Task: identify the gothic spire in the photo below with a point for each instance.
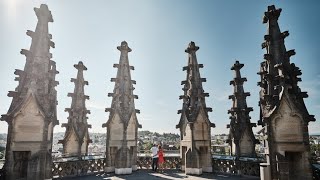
(282, 110)
(38, 77)
(277, 73)
(32, 114)
(77, 121)
(122, 125)
(240, 126)
(194, 124)
(194, 95)
(122, 96)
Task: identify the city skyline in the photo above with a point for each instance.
(158, 33)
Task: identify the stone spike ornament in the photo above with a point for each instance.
(122, 125)
(241, 137)
(283, 113)
(76, 139)
(32, 113)
(194, 125)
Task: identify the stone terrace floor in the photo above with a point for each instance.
(167, 175)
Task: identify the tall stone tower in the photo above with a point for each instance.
(241, 138)
(122, 125)
(76, 139)
(284, 115)
(32, 113)
(194, 124)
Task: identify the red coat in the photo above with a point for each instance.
(161, 159)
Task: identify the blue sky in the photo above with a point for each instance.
(158, 32)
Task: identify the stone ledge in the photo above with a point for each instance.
(196, 171)
(123, 171)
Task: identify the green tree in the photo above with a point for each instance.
(147, 146)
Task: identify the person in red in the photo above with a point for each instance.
(161, 159)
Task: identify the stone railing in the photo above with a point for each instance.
(316, 171)
(224, 166)
(144, 161)
(248, 167)
(170, 162)
(2, 169)
(70, 168)
(220, 165)
(77, 167)
(2, 174)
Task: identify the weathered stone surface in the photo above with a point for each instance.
(241, 137)
(194, 125)
(32, 113)
(283, 113)
(122, 125)
(76, 139)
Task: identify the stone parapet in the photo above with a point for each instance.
(93, 166)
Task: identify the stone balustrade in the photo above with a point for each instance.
(224, 166)
(171, 162)
(248, 168)
(77, 167)
(144, 161)
(316, 171)
(71, 168)
(2, 169)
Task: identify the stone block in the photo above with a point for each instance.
(120, 171)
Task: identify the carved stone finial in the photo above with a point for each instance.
(192, 48)
(237, 66)
(124, 47)
(80, 66)
(43, 13)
